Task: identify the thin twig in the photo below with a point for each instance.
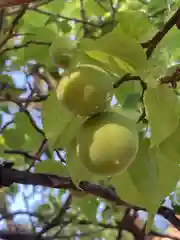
(14, 23)
(57, 220)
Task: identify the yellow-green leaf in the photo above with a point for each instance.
(162, 112)
(51, 167)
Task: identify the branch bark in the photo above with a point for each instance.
(161, 34)
(9, 176)
(9, 3)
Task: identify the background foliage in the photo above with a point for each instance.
(138, 43)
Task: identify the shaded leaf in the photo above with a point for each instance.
(14, 138)
(168, 174)
(76, 169)
(132, 100)
(170, 147)
(32, 136)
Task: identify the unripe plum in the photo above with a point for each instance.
(108, 143)
(86, 90)
(61, 51)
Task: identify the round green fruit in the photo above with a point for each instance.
(62, 50)
(108, 143)
(86, 91)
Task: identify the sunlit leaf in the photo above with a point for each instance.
(141, 178)
(35, 19)
(170, 147)
(140, 28)
(161, 108)
(125, 48)
(55, 6)
(51, 167)
(88, 206)
(60, 125)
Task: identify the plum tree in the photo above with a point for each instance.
(62, 50)
(108, 143)
(86, 90)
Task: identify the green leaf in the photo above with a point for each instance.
(168, 174)
(158, 5)
(170, 147)
(162, 112)
(132, 100)
(33, 18)
(93, 8)
(54, 202)
(60, 125)
(32, 136)
(14, 138)
(36, 52)
(114, 63)
(64, 26)
(88, 206)
(171, 43)
(51, 167)
(55, 6)
(118, 44)
(150, 179)
(44, 34)
(126, 89)
(101, 59)
(156, 67)
(141, 178)
(140, 28)
(77, 170)
(45, 210)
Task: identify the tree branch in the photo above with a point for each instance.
(18, 100)
(152, 44)
(58, 218)
(5, 3)
(20, 236)
(10, 176)
(14, 23)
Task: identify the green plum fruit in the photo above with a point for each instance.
(108, 143)
(86, 90)
(62, 50)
